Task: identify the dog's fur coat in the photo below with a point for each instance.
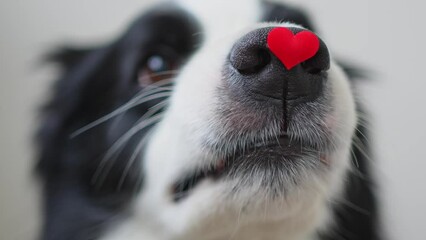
(151, 169)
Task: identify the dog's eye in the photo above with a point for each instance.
(157, 64)
(154, 69)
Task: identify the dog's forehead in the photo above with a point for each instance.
(218, 17)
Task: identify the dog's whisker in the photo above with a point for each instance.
(131, 161)
(160, 83)
(118, 144)
(104, 168)
(142, 143)
(355, 159)
(152, 95)
(361, 133)
(139, 125)
(163, 73)
(146, 91)
(361, 148)
(165, 81)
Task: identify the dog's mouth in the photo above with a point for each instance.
(182, 188)
(282, 145)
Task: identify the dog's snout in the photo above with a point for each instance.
(286, 72)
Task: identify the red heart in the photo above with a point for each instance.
(292, 49)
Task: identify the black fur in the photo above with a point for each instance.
(95, 81)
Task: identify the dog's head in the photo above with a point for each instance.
(195, 122)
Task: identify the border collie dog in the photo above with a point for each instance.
(191, 126)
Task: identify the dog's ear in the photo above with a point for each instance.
(355, 71)
(284, 13)
(77, 82)
(83, 71)
(67, 56)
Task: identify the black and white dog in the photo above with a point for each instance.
(190, 127)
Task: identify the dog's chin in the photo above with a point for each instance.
(276, 166)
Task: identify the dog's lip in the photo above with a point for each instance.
(183, 186)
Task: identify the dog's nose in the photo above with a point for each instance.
(280, 63)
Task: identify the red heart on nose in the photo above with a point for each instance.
(292, 49)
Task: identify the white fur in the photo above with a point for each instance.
(211, 212)
(221, 17)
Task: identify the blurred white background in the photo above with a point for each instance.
(387, 36)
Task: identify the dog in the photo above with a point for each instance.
(191, 125)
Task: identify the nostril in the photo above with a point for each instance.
(319, 63)
(249, 60)
(260, 59)
(312, 69)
